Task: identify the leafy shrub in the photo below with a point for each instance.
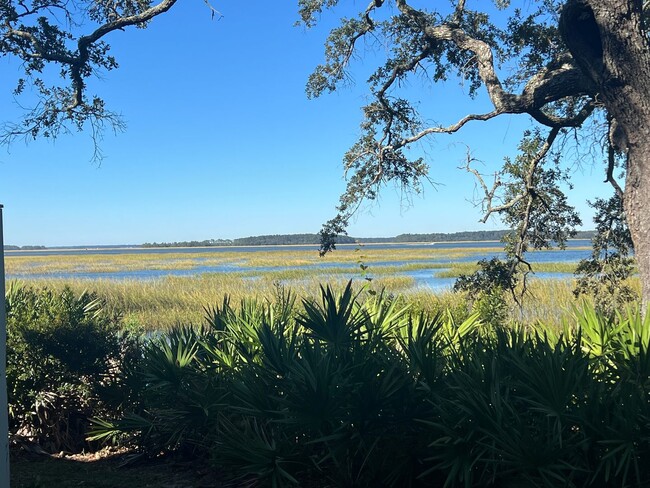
(492, 307)
(486, 289)
(62, 352)
(343, 392)
(183, 381)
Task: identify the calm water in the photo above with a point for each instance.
(424, 278)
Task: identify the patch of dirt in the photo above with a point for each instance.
(107, 469)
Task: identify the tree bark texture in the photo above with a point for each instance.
(622, 77)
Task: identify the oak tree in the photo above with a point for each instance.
(69, 36)
(576, 68)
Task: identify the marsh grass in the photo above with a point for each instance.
(161, 304)
(173, 300)
(550, 302)
(164, 303)
(454, 270)
(105, 263)
(294, 264)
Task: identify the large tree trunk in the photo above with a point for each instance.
(637, 208)
(622, 75)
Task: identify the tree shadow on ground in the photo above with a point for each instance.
(106, 470)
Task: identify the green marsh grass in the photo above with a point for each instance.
(131, 261)
(105, 263)
(550, 302)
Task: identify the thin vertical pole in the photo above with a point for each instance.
(4, 406)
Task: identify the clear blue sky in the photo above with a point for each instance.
(222, 142)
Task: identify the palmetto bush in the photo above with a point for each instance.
(354, 390)
(334, 399)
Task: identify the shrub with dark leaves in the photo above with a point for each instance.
(63, 354)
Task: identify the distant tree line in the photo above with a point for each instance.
(267, 240)
(7, 247)
(205, 243)
(479, 235)
(306, 239)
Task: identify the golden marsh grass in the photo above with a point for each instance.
(17, 264)
(160, 304)
(167, 301)
(457, 269)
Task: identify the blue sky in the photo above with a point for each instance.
(222, 142)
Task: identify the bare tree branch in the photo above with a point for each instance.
(530, 195)
(449, 129)
(529, 182)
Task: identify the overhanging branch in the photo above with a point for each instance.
(35, 35)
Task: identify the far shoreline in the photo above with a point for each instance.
(126, 248)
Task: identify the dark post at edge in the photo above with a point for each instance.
(4, 407)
